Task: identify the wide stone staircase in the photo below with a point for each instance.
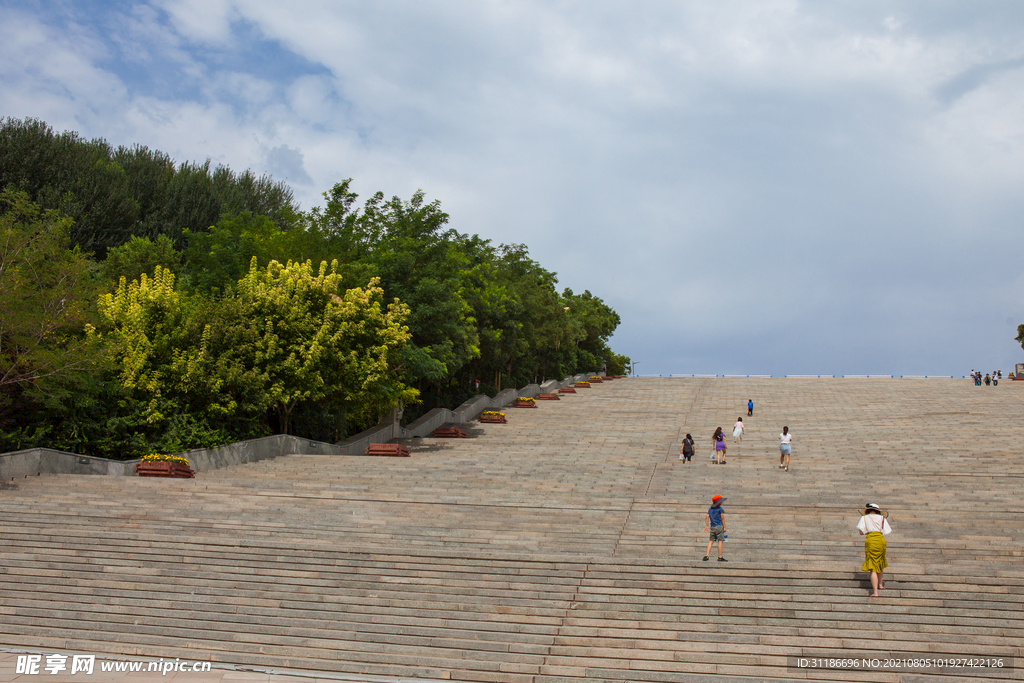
(566, 544)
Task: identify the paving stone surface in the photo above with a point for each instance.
(563, 545)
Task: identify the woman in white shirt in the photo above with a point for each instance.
(785, 439)
(874, 527)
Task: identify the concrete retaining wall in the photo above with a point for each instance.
(473, 407)
(37, 461)
(388, 429)
(254, 450)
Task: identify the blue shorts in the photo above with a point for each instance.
(785, 449)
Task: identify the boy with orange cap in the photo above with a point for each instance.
(716, 524)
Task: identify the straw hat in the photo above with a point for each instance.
(871, 507)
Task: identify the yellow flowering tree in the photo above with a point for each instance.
(284, 337)
(310, 342)
(173, 390)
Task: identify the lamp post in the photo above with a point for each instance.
(632, 366)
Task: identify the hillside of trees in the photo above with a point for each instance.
(150, 306)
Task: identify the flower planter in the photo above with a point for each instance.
(582, 385)
(568, 390)
(449, 433)
(524, 404)
(393, 450)
(548, 397)
(493, 418)
(595, 380)
(159, 468)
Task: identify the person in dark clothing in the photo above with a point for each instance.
(686, 453)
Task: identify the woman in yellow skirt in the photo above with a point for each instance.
(874, 527)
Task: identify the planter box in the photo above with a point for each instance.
(524, 404)
(388, 449)
(569, 390)
(595, 380)
(581, 385)
(548, 397)
(449, 433)
(493, 419)
(161, 468)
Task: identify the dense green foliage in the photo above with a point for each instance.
(185, 307)
(114, 194)
(45, 296)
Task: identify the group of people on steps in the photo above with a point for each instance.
(720, 444)
(873, 524)
(989, 379)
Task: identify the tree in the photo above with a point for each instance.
(220, 257)
(140, 255)
(308, 344)
(597, 321)
(45, 295)
(418, 261)
(422, 264)
(159, 341)
(239, 344)
(150, 333)
(112, 195)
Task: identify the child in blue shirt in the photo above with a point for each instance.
(716, 524)
(750, 406)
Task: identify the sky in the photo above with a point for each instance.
(756, 187)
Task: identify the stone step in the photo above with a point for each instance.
(564, 545)
(231, 562)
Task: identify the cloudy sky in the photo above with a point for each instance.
(762, 186)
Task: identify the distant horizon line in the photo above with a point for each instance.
(823, 376)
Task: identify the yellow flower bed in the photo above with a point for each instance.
(527, 400)
(162, 457)
(587, 383)
(599, 379)
(494, 413)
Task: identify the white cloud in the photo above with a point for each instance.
(207, 21)
(53, 75)
(979, 140)
(240, 87)
(314, 99)
(716, 171)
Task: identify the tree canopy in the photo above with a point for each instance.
(199, 306)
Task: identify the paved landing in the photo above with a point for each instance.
(566, 544)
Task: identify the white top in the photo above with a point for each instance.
(786, 438)
(738, 425)
(873, 522)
